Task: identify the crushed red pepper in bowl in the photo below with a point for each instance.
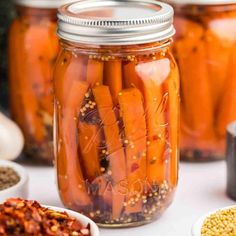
(22, 217)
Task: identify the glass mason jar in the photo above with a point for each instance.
(33, 49)
(205, 49)
(116, 110)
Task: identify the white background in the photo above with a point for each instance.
(201, 189)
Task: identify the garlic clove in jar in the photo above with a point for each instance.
(11, 139)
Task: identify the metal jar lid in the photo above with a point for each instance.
(46, 4)
(116, 22)
(201, 2)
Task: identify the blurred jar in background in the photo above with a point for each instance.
(6, 15)
(205, 49)
(33, 48)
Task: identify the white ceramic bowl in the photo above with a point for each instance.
(20, 190)
(81, 218)
(196, 229)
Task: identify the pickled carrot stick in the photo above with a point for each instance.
(41, 59)
(113, 78)
(147, 79)
(16, 108)
(89, 142)
(227, 107)
(33, 125)
(173, 103)
(104, 104)
(217, 59)
(95, 72)
(75, 177)
(189, 32)
(197, 105)
(118, 175)
(61, 159)
(117, 166)
(132, 114)
(133, 117)
(154, 74)
(131, 79)
(61, 85)
(69, 66)
(31, 108)
(90, 158)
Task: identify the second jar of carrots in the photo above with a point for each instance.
(33, 49)
(205, 49)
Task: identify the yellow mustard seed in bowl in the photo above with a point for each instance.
(221, 223)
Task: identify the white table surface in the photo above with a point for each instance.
(201, 189)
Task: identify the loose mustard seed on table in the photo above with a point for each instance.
(221, 223)
(8, 178)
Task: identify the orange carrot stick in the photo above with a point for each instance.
(173, 103)
(113, 78)
(189, 33)
(132, 114)
(14, 70)
(131, 79)
(154, 98)
(227, 106)
(32, 120)
(24, 101)
(70, 140)
(95, 72)
(148, 78)
(69, 66)
(116, 154)
(217, 59)
(197, 105)
(90, 155)
(89, 141)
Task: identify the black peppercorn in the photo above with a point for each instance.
(8, 178)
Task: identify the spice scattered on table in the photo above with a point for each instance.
(8, 178)
(22, 217)
(222, 222)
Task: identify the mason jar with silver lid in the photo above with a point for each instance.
(205, 49)
(116, 110)
(33, 48)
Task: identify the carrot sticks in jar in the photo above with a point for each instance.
(33, 48)
(204, 48)
(118, 143)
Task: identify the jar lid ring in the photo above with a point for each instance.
(116, 22)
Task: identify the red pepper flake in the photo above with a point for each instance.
(134, 167)
(21, 217)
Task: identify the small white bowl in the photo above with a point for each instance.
(81, 218)
(196, 229)
(20, 190)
